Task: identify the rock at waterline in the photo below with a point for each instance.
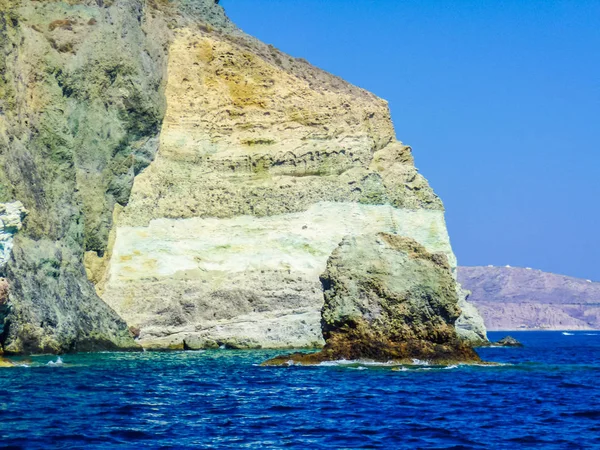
(387, 299)
(508, 341)
(6, 363)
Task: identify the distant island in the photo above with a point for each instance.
(512, 298)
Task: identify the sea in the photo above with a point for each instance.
(543, 396)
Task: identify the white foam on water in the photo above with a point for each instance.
(58, 362)
(567, 334)
(354, 362)
(494, 365)
(591, 334)
(377, 364)
(418, 362)
(453, 366)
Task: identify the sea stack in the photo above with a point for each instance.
(388, 299)
(186, 183)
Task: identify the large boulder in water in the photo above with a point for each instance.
(388, 298)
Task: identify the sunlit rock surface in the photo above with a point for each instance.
(244, 281)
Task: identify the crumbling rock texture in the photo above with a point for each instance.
(81, 107)
(388, 299)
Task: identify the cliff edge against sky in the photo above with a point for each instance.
(183, 184)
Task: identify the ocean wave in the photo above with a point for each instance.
(356, 362)
(567, 334)
(416, 365)
(58, 362)
(418, 362)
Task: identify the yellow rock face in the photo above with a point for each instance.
(246, 135)
(6, 363)
(223, 95)
(265, 164)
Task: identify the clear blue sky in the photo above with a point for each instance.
(500, 101)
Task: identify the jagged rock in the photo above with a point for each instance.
(6, 363)
(508, 341)
(388, 299)
(80, 108)
(470, 325)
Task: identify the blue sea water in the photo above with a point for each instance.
(546, 395)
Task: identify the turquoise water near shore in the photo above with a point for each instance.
(546, 395)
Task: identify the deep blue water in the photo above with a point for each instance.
(547, 396)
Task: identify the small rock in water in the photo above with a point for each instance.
(6, 363)
(508, 341)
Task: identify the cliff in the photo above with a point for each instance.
(511, 298)
(185, 183)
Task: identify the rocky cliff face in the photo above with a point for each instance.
(512, 298)
(197, 178)
(80, 110)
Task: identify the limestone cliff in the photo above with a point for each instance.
(201, 177)
(265, 164)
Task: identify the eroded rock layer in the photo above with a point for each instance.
(244, 281)
(265, 164)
